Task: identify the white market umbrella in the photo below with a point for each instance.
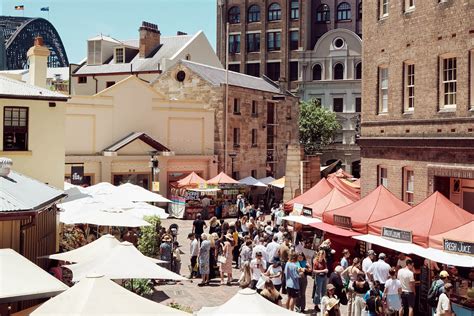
(266, 180)
(123, 262)
(136, 193)
(102, 188)
(251, 181)
(246, 302)
(21, 279)
(75, 193)
(97, 295)
(142, 209)
(108, 217)
(99, 247)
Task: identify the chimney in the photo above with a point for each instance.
(179, 33)
(38, 60)
(149, 38)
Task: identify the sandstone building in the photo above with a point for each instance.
(261, 119)
(418, 100)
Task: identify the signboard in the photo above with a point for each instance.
(155, 186)
(307, 211)
(77, 175)
(461, 247)
(342, 221)
(297, 209)
(398, 234)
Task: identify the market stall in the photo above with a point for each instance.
(317, 192)
(227, 195)
(333, 200)
(186, 197)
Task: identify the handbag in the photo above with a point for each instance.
(221, 259)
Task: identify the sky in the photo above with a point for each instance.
(78, 20)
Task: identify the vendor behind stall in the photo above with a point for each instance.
(205, 203)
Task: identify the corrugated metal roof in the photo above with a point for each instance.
(216, 76)
(21, 193)
(170, 45)
(14, 88)
(133, 136)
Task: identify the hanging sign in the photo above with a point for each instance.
(297, 209)
(307, 211)
(398, 234)
(77, 175)
(155, 186)
(342, 221)
(461, 247)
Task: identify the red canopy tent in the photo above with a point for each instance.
(222, 178)
(317, 192)
(434, 216)
(191, 179)
(462, 233)
(378, 204)
(334, 199)
(348, 190)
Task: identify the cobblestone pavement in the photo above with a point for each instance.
(188, 293)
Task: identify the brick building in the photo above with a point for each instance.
(261, 120)
(418, 101)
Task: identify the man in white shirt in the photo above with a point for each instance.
(444, 304)
(272, 249)
(407, 280)
(279, 216)
(260, 248)
(193, 252)
(280, 234)
(379, 271)
(257, 266)
(367, 262)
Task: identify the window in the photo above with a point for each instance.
(254, 137)
(274, 12)
(358, 104)
(383, 90)
(360, 11)
(234, 67)
(294, 40)
(408, 185)
(234, 15)
(383, 8)
(323, 13)
(273, 41)
(253, 173)
(120, 55)
(409, 5)
(338, 105)
(235, 175)
(382, 176)
(449, 82)
(236, 106)
(294, 10)
(343, 11)
(254, 13)
(338, 71)
(82, 79)
(234, 44)
(317, 72)
(409, 92)
(254, 108)
(253, 69)
(236, 137)
(293, 70)
(273, 71)
(109, 84)
(358, 71)
(253, 42)
(15, 128)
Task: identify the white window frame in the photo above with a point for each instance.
(409, 5)
(409, 185)
(448, 78)
(122, 49)
(384, 6)
(381, 180)
(383, 89)
(254, 134)
(409, 95)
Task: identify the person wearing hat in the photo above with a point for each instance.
(165, 250)
(379, 271)
(330, 301)
(225, 260)
(438, 287)
(367, 262)
(274, 273)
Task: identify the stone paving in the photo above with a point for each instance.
(188, 293)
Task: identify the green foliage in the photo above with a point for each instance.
(317, 125)
(141, 287)
(148, 241)
(183, 308)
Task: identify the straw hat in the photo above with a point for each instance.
(166, 237)
(332, 302)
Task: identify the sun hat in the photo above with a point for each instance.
(382, 255)
(444, 274)
(330, 287)
(166, 237)
(331, 303)
(371, 253)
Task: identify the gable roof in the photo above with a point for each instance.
(134, 136)
(11, 88)
(22, 193)
(216, 76)
(169, 46)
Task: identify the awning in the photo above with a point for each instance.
(251, 181)
(222, 178)
(301, 219)
(317, 192)
(279, 183)
(191, 179)
(266, 180)
(334, 199)
(334, 229)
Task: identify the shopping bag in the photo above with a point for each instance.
(221, 259)
(261, 283)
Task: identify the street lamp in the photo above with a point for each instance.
(153, 164)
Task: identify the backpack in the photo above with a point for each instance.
(433, 294)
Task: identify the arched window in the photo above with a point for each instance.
(358, 72)
(338, 71)
(234, 15)
(317, 72)
(344, 11)
(360, 10)
(323, 13)
(274, 12)
(254, 13)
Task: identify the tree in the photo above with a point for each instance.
(317, 125)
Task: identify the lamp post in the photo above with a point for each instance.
(153, 164)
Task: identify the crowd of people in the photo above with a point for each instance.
(273, 262)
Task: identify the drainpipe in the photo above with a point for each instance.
(96, 84)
